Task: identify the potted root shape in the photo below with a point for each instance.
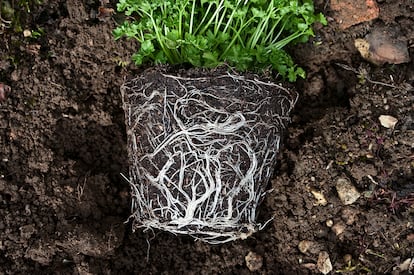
(202, 149)
(202, 143)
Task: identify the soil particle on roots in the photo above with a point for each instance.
(63, 145)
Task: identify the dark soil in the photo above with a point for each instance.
(64, 204)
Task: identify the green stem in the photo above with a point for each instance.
(158, 35)
(271, 32)
(213, 17)
(220, 21)
(236, 36)
(282, 43)
(207, 12)
(190, 31)
(231, 17)
(260, 29)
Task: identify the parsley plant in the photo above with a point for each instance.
(249, 35)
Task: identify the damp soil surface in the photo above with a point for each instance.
(342, 192)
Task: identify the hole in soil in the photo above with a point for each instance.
(402, 183)
(53, 12)
(96, 148)
(334, 90)
(309, 132)
(284, 165)
(7, 197)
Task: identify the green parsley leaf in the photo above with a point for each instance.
(249, 35)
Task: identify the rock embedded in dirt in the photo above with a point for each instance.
(329, 223)
(347, 193)
(351, 12)
(254, 261)
(27, 33)
(304, 245)
(324, 262)
(388, 121)
(310, 247)
(349, 215)
(383, 46)
(338, 228)
(406, 265)
(320, 198)
(347, 258)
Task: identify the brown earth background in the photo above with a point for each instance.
(64, 205)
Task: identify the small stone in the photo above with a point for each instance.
(349, 215)
(310, 247)
(338, 228)
(324, 263)
(407, 265)
(384, 46)
(347, 193)
(351, 12)
(304, 246)
(388, 121)
(329, 223)
(347, 258)
(369, 156)
(254, 261)
(27, 33)
(320, 198)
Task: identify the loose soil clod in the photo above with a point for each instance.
(4, 91)
(202, 150)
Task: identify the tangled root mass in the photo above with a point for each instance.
(202, 150)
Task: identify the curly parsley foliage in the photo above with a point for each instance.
(249, 35)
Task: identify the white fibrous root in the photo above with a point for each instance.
(202, 151)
